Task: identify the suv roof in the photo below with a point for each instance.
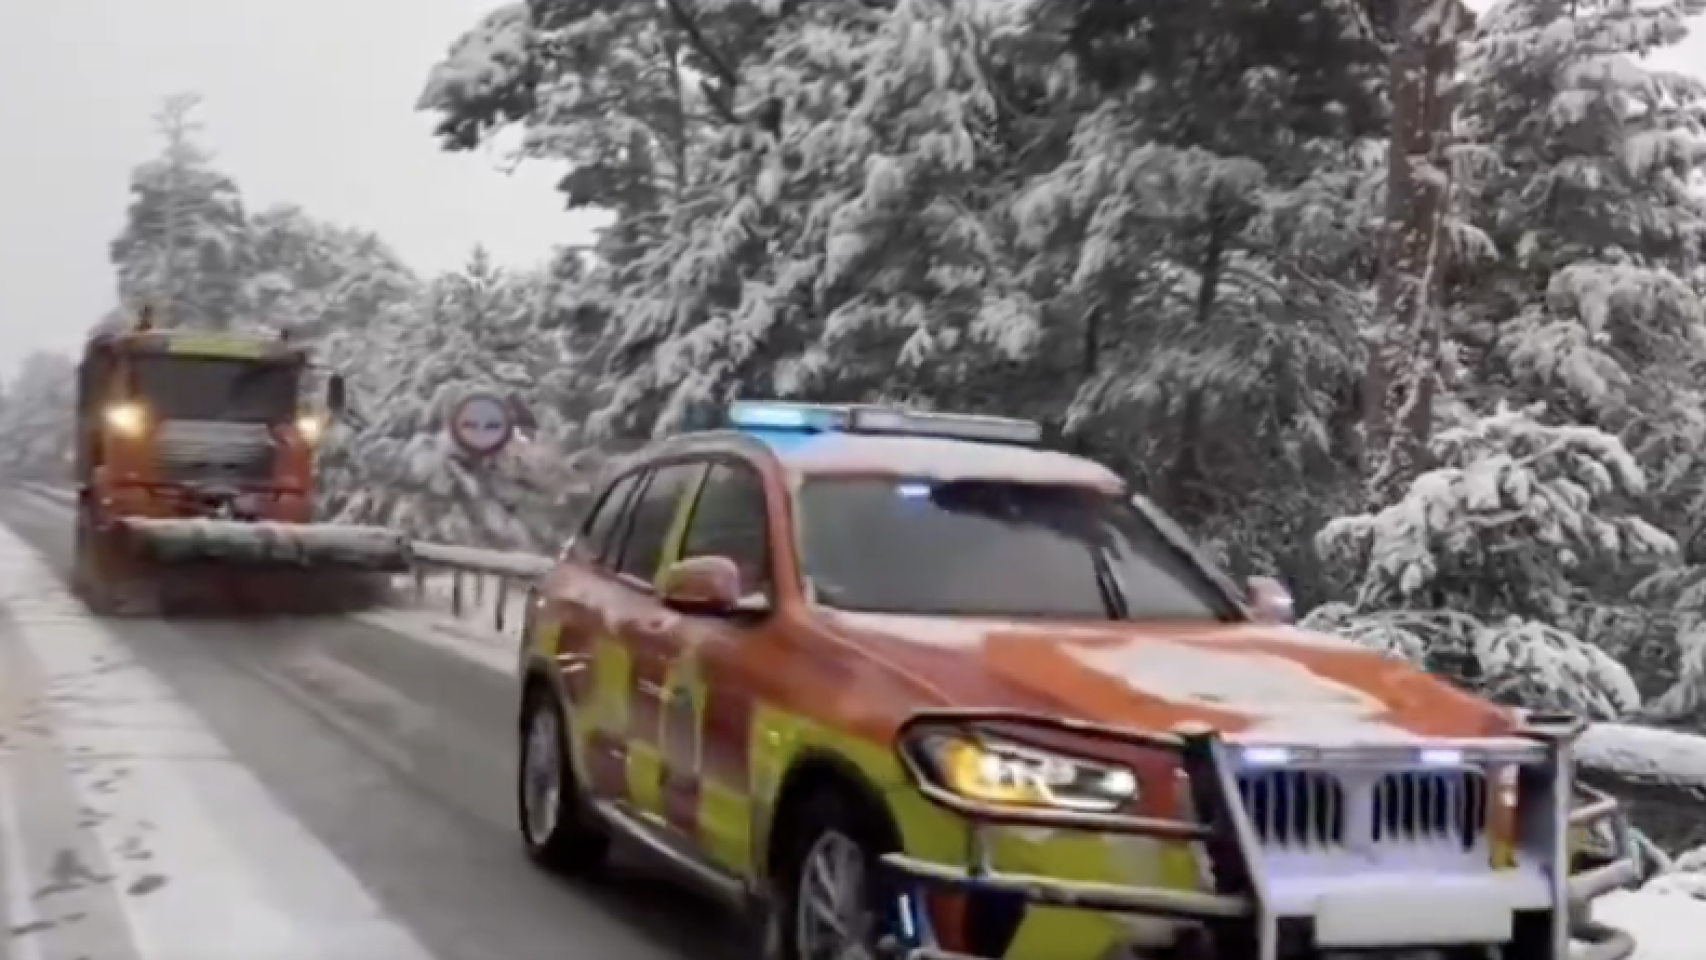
(856, 440)
(935, 458)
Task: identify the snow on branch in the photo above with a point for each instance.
(1473, 571)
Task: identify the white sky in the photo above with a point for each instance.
(309, 101)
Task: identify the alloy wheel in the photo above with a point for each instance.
(833, 919)
(542, 775)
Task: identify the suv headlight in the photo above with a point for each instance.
(994, 771)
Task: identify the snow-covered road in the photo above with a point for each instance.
(332, 789)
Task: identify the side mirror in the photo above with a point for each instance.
(337, 394)
(1269, 600)
(702, 585)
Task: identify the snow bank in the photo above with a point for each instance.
(1644, 753)
(1666, 926)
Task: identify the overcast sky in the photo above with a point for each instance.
(308, 101)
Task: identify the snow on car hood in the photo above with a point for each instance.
(1256, 682)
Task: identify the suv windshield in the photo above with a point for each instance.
(995, 549)
(204, 388)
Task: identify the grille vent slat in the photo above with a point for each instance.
(1304, 810)
(211, 452)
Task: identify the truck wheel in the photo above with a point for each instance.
(551, 810)
(827, 900)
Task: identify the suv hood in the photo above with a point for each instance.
(1253, 682)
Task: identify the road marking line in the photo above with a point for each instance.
(205, 863)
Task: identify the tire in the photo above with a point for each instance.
(827, 819)
(559, 836)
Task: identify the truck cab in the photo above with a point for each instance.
(174, 423)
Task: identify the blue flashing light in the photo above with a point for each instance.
(768, 416)
(1442, 757)
(913, 491)
(786, 416)
(1267, 756)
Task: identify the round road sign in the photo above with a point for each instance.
(481, 424)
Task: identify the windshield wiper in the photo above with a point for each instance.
(1113, 591)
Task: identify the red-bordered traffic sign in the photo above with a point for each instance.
(481, 424)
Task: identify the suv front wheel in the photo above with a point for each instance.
(551, 809)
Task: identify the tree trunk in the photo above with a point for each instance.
(1404, 341)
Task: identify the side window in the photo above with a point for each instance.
(598, 534)
(731, 520)
(653, 513)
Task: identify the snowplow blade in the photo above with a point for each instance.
(231, 568)
(269, 544)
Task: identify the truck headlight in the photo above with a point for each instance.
(993, 771)
(126, 419)
(310, 427)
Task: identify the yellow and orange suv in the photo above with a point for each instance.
(907, 685)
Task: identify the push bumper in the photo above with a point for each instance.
(1255, 903)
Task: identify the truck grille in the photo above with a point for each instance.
(1314, 809)
(214, 453)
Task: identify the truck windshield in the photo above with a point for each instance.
(216, 388)
(996, 549)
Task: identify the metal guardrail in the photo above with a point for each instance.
(477, 577)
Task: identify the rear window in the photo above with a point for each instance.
(981, 548)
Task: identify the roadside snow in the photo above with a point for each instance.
(1644, 753)
(481, 600)
(1666, 926)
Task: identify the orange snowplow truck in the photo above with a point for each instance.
(196, 480)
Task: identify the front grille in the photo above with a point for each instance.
(211, 453)
(1430, 805)
(1303, 809)
(1295, 808)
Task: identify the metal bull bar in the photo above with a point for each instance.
(1239, 915)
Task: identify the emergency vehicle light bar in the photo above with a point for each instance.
(887, 421)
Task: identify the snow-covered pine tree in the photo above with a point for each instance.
(312, 277)
(36, 419)
(1578, 157)
(1477, 572)
(630, 97)
(185, 242)
(853, 255)
(468, 332)
(1202, 250)
(1583, 184)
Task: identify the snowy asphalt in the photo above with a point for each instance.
(326, 789)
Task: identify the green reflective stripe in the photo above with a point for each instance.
(930, 833)
(645, 776)
(214, 345)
